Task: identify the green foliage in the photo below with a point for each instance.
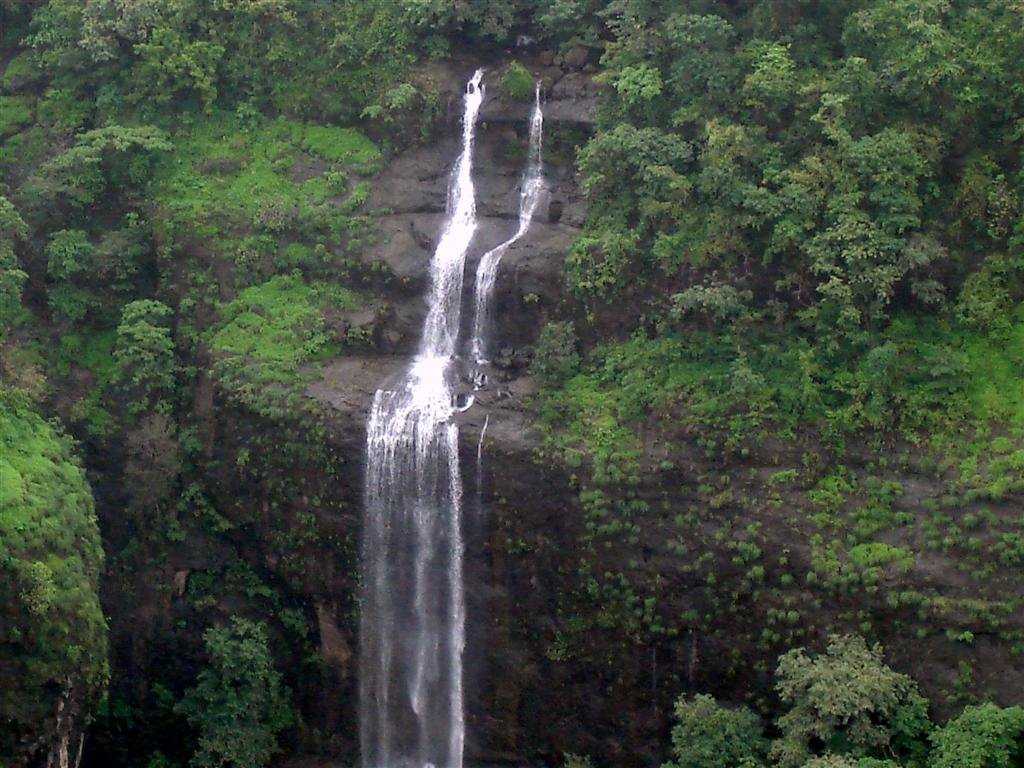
(239, 704)
(772, 84)
(144, 353)
(270, 176)
(555, 358)
(273, 54)
(485, 20)
(577, 761)
(718, 303)
(53, 636)
(634, 174)
(638, 85)
(110, 160)
(15, 114)
(804, 232)
(845, 704)
(270, 332)
(345, 146)
(12, 277)
(816, 153)
(840, 761)
(69, 255)
(877, 554)
(984, 736)
(848, 700)
(517, 82)
(708, 735)
(21, 71)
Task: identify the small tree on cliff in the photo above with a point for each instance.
(846, 701)
(239, 704)
(144, 353)
(708, 735)
(985, 736)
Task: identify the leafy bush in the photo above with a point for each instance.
(984, 303)
(270, 177)
(144, 352)
(12, 277)
(555, 358)
(983, 736)
(15, 114)
(717, 302)
(847, 700)
(708, 735)
(114, 159)
(516, 82)
(840, 761)
(877, 554)
(53, 636)
(269, 332)
(239, 704)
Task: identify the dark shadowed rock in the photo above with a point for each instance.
(574, 98)
(576, 57)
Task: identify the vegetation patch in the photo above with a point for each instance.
(273, 176)
(15, 114)
(517, 83)
(53, 633)
(270, 331)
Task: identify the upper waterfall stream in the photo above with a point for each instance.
(413, 613)
(530, 194)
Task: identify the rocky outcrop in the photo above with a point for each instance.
(408, 203)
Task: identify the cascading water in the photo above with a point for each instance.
(413, 614)
(529, 198)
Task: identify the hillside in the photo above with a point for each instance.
(756, 380)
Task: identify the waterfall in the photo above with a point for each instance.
(413, 613)
(530, 194)
(413, 616)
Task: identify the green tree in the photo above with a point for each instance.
(517, 82)
(144, 352)
(846, 701)
(708, 735)
(839, 761)
(12, 277)
(555, 358)
(69, 257)
(112, 161)
(239, 704)
(984, 736)
(53, 636)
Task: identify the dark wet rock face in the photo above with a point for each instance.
(408, 204)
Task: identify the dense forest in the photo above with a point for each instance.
(750, 492)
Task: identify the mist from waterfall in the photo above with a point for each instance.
(413, 613)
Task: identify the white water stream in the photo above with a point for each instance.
(413, 615)
(530, 194)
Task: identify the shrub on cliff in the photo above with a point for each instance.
(848, 701)
(53, 636)
(144, 352)
(517, 82)
(12, 277)
(708, 735)
(555, 358)
(984, 736)
(239, 704)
